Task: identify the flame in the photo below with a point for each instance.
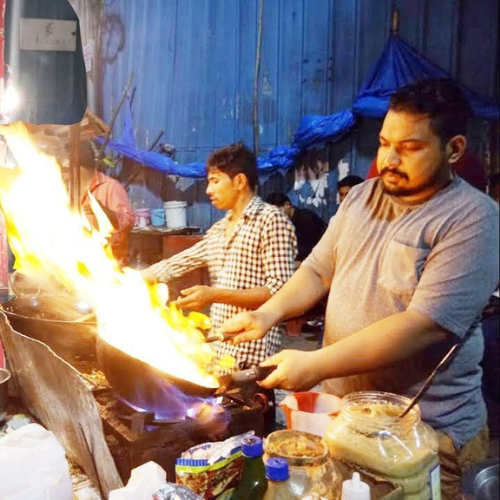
(52, 241)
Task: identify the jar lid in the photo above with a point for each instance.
(277, 469)
(251, 446)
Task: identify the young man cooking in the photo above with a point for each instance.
(409, 261)
(249, 253)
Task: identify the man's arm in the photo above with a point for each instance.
(278, 246)
(118, 203)
(302, 291)
(198, 297)
(377, 346)
(176, 266)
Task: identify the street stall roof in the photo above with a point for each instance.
(398, 65)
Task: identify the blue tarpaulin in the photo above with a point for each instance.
(398, 65)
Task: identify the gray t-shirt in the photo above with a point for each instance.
(439, 258)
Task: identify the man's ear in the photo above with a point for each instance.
(241, 181)
(456, 148)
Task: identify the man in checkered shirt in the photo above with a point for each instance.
(250, 254)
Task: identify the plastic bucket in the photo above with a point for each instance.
(310, 411)
(158, 217)
(142, 217)
(175, 214)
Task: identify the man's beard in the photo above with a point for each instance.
(398, 191)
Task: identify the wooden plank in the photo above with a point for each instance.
(54, 392)
(74, 165)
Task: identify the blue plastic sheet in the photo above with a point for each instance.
(398, 65)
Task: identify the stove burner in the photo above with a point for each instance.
(142, 420)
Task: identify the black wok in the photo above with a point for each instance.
(153, 390)
(61, 330)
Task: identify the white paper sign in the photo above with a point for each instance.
(48, 34)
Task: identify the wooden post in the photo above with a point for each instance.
(74, 165)
(255, 117)
(395, 22)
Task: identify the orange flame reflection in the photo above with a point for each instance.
(52, 241)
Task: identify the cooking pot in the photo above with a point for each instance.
(150, 389)
(61, 330)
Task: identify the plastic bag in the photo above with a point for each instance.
(144, 481)
(212, 470)
(170, 491)
(33, 466)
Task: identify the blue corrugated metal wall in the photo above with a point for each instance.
(194, 65)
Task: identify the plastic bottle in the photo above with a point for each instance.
(355, 489)
(278, 476)
(253, 484)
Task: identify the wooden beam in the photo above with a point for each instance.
(395, 22)
(74, 165)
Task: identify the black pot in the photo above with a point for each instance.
(144, 386)
(67, 337)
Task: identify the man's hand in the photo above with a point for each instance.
(197, 297)
(156, 273)
(247, 326)
(296, 371)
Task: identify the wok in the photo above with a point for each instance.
(150, 389)
(61, 331)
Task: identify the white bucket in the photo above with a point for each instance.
(175, 214)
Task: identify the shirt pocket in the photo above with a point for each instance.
(401, 267)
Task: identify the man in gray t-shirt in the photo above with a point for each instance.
(409, 261)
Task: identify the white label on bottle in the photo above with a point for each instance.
(435, 482)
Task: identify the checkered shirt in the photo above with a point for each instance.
(261, 252)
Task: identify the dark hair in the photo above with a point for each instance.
(350, 180)
(441, 100)
(233, 160)
(277, 199)
(88, 154)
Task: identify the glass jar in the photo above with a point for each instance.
(368, 433)
(312, 470)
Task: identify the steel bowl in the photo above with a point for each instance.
(481, 481)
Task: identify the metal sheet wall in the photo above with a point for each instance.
(194, 64)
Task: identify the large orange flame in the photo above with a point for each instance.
(51, 241)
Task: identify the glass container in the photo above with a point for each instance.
(368, 433)
(311, 468)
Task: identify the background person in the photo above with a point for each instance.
(112, 198)
(409, 260)
(346, 183)
(309, 226)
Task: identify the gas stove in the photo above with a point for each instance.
(70, 396)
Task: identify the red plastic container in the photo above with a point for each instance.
(310, 411)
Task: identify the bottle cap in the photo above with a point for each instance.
(277, 469)
(251, 446)
(355, 489)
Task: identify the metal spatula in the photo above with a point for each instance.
(429, 380)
